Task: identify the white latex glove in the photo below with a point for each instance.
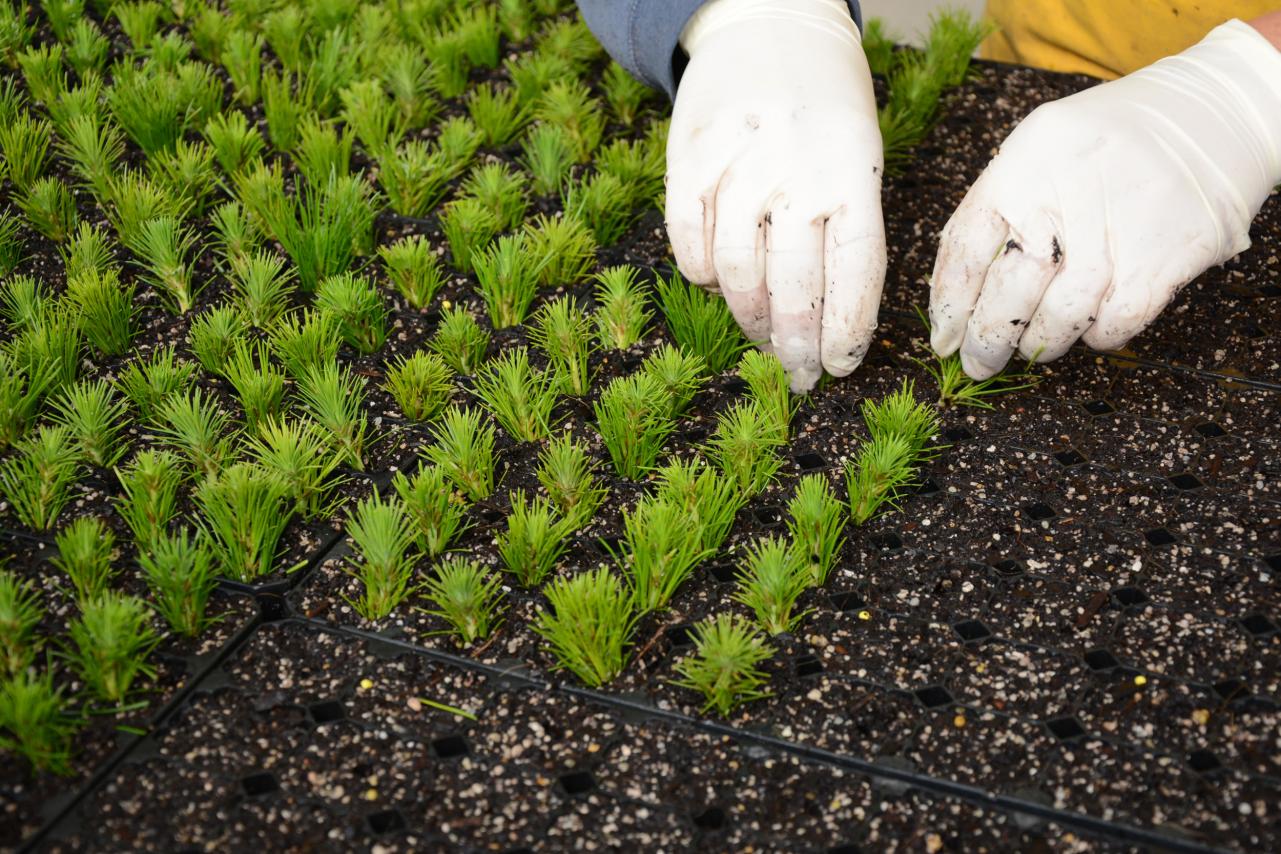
(774, 178)
(1100, 207)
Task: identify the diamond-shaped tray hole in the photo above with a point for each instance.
(327, 711)
(1040, 511)
(928, 487)
(807, 665)
(386, 821)
(712, 818)
(1098, 407)
(846, 600)
(577, 782)
(887, 541)
(972, 630)
(810, 461)
(1100, 660)
(724, 573)
(1129, 597)
(257, 785)
(957, 434)
(449, 747)
(1203, 761)
(1258, 625)
(1185, 481)
(933, 696)
(1065, 729)
(1008, 568)
(1210, 430)
(1231, 689)
(1160, 537)
(679, 637)
(1070, 457)
(768, 515)
(272, 607)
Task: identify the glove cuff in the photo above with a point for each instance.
(831, 17)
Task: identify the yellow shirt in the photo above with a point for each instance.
(1106, 38)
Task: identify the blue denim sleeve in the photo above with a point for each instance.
(643, 35)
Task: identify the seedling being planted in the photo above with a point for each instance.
(86, 548)
(37, 479)
(771, 578)
(414, 270)
(355, 304)
(745, 446)
(20, 614)
(767, 380)
(518, 395)
(701, 323)
(35, 722)
(434, 508)
(724, 664)
(463, 448)
(112, 640)
(507, 273)
(565, 471)
(460, 341)
(563, 331)
(467, 596)
(198, 428)
(180, 575)
(243, 510)
(900, 431)
(149, 484)
(301, 454)
(382, 537)
(634, 419)
(96, 419)
(816, 519)
(588, 625)
(334, 399)
(681, 373)
(660, 550)
(421, 384)
(535, 539)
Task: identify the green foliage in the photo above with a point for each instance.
(300, 454)
(259, 384)
(771, 578)
(520, 397)
(11, 243)
(187, 173)
(20, 396)
(156, 107)
(139, 20)
(85, 551)
(136, 200)
(500, 189)
(49, 208)
(25, 145)
(305, 339)
(263, 286)
(956, 388)
(213, 336)
(463, 448)
(87, 48)
(94, 148)
(20, 615)
(42, 69)
(724, 664)
(660, 551)
(106, 309)
(548, 155)
(563, 331)
(460, 340)
(497, 112)
(536, 537)
(24, 302)
(900, 430)
(382, 537)
(589, 624)
(198, 428)
(242, 58)
(767, 381)
(710, 500)
(51, 346)
(816, 521)
(162, 246)
(422, 385)
(34, 722)
(745, 446)
(373, 117)
(111, 641)
(234, 141)
(148, 383)
(878, 45)
(466, 596)
(508, 273)
(322, 151)
(634, 419)
(565, 471)
(149, 494)
(96, 419)
(413, 269)
(354, 302)
(604, 203)
(284, 107)
(15, 32)
(564, 247)
(436, 511)
(681, 373)
(180, 575)
(334, 398)
(37, 479)
(624, 93)
(700, 322)
(568, 104)
(244, 509)
(322, 226)
(468, 224)
(624, 308)
(414, 178)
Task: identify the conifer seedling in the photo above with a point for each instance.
(467, 596)
(149, 494)
(302, 455)
(508, 274)
(436, 510)
(460, 341)
(214, 335)
(334, 399)
(700, 322)
(414, 270)
(816, 521)
(463, 448)
(624, 308)
(771, 578)
(303, 340)
(86, 549)
(111, 641)
(589, 625)
(35, 721)
(681, 374)
(745, 446)
(421, 383)
(563, 332)
(633, 417)
(724, 664)
(37, 479)
(382, 538)
(180, 574)
(565, 472)
(20, 615)
(535, 538)
(468, 225)
(354, 302)
(243, 511)
(660, 550)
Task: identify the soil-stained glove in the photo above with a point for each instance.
(1100, 207)
(774, 178)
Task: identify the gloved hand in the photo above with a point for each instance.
(1100, 207)
(774, 178)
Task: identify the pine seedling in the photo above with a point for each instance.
(771, 578)
(213, 336)
(899, 414)
(85, 550)
(284, 107)
(569, 39)
(95, 418)
(94, 148)
(816, 522)
(536, 537)
(334, 399)
(531, 74)
(208, 27)
(382, 537)
(87, 48)
(460, 341)
(106, 309)
(162, 246)
(467, 596)
(413, 177)
(745, 446)
(457, 143)
(878, 45)
(604, 203)
(49, 208)
(263, 286)
(563, 331)
(11, 243)
(373, 117)
(478, 33)
(422, 385)
(565, 471)
(564, 247)
(243, 511)
(681, 374)
(20, 396)
(588, 625)
(170, 52)
(414, 270)
(259, 384)
(305, 339)
(198, 428)
(20, 614)
(638, 164)
(234, 141)
(322, 151)
(516, 19)
(700, 322)
(497, 112)
(146, 104)
(520, 397)
(624, 312)
(148, 383)
(331, 69)
(51, 346)
(24, 143)
(463, 448)
(242, 59)
(41, 67)
(710, 499)
(140, 21)
(900, 430)
(633, 417)
(767, 382)
(406, 75)
(660, 550)
(324, 227)
(112, 640)
(149, 494)
(180, 574)
(34, 721)
(354, 302)
(187, 173)
(569, 104)
(283, 29)
(300, 454)
(37, 479)
(89, 251)
(468, 225)
(436, 512)
(71, 102)
(624, 93)
(136, 200)
(956, 388)
(724, 664)
(508, 274)
(501, 190)
(548, 155)
(15, 32)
